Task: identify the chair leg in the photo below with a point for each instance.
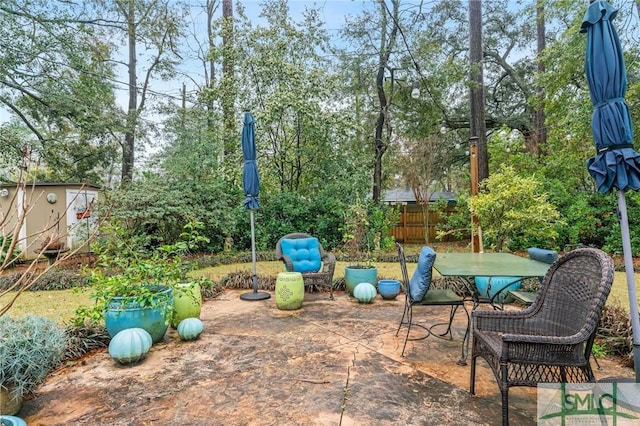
(504, 391)
(409, 321)
(505, 406)
(404, 315)
(465, 340)
(472, 384)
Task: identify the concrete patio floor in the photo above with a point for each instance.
(330, 363)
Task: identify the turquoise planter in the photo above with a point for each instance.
(354, 275)
(125, 312)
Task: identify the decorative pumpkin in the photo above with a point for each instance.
(365, 292)
(12, 421)
(190, 328)
(130, 345)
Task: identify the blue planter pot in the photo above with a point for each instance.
(354, 275)
(489, 286)
(125, 312)
(389, 289)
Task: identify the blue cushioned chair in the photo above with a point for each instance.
(303, 253)
(418, 293)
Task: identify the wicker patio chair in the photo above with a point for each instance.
(418, 293)
(551, 340)
(293, 262)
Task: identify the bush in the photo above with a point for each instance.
(54, 279)
(614, 332)
(30, 347)
(514, 211)
(156, 209)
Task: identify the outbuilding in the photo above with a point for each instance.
(62, 211)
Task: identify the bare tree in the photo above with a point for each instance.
(386, 46)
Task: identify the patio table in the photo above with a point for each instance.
(466, 265)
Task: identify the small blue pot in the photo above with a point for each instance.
(389, 289)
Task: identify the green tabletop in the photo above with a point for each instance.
(488, 264)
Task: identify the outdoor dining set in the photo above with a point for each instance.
(548, 340)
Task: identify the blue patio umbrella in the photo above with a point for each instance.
(251, 186)
(616, 164)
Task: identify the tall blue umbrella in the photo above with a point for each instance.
(251, 186)
(616, 164)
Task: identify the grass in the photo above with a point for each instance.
(60, 305)
(57, 305)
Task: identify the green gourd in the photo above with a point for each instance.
(190, 328)
(130, 345)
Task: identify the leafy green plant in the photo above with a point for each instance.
(511, 207)
(30, 347)
(356, 236)
(124, 271)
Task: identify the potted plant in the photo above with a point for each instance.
(30, 347)
(358, 245)
(135, 288)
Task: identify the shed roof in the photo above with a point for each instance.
(405, 195)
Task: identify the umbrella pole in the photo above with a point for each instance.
(255, 295)
(631, 285)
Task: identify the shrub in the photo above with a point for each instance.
(30, 347)
(512, 208)
(55, 279)
(615, 332)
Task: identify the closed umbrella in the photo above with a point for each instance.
(251, 186)
(616, 164)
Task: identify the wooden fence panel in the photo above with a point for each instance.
(410, 227)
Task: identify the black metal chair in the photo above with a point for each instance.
(418, 293)
(551, 340)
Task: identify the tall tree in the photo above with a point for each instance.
(156, 25)
(56, 83)
(228, 79)
(540, 139)
(386, 44)
(300, 126)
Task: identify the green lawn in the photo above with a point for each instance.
(60, 305)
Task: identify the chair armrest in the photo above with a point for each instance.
(503, 321)
(329, 262)
(288, 264)
(546, 349)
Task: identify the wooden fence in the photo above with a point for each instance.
(411, 224)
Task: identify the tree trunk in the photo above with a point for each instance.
(477, 123)
(380, 141)
(540, 139)
(211, 128)
(228, 98)
(132, 113)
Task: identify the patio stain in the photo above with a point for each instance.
(329, 363)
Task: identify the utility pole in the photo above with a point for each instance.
(478, 139)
